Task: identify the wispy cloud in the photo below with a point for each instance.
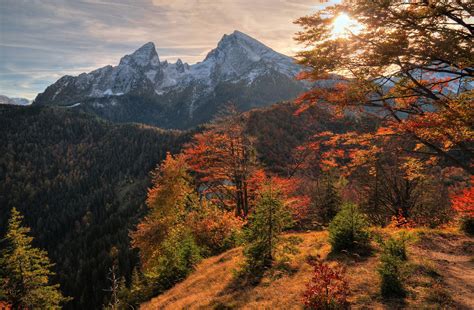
(41, 40)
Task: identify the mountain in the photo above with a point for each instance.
(178, 95)
(14, 101)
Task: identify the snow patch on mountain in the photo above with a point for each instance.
(74, 105)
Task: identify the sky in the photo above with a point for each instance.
(42, 40)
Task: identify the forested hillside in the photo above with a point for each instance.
(280, 129)
(81, 184)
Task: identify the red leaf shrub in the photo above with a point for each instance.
(328, 288)
(463, 201)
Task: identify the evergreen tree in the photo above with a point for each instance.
(270, 218)
(127, 297)
(349, 229)
(331, 200)
(179, 253)
(138, 288)
(25, 271)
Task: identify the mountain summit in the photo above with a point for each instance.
(241, 56)
(143, 57)
(141, 88)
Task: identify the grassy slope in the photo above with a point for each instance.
(440, 275)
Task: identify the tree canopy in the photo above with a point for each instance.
(409, 63)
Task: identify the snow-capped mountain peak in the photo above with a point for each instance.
(239, 56)
(144, 56)
(240, 70)
(254, 48)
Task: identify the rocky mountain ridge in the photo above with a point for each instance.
(178, 95)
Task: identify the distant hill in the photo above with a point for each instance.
(146, 90)
(14, 101)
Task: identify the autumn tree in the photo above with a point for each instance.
(168, 200)
(389, 182)
(294, 197)
(25, 271)
(214, 229)
(408, 63)
(224, 159)
(384, 179)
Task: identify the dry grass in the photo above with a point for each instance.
(430, 283)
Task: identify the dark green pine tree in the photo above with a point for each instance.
(138, 287)
(331, 201)
(25, 271)
(263, 234)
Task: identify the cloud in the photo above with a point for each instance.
(41, 40)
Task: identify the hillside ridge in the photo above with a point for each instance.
(441, 261)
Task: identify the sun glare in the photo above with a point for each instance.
(343, 25)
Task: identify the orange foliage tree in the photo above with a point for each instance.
(224, 160)
(168, 201)
(383, 176)
(294, 198)
(214, 229)
(408, 63)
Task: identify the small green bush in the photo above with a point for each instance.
(391, 279)
(392, 266)
(349, 229)
(396, 246)
(467, 225)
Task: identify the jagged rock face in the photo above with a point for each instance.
(143, 89)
